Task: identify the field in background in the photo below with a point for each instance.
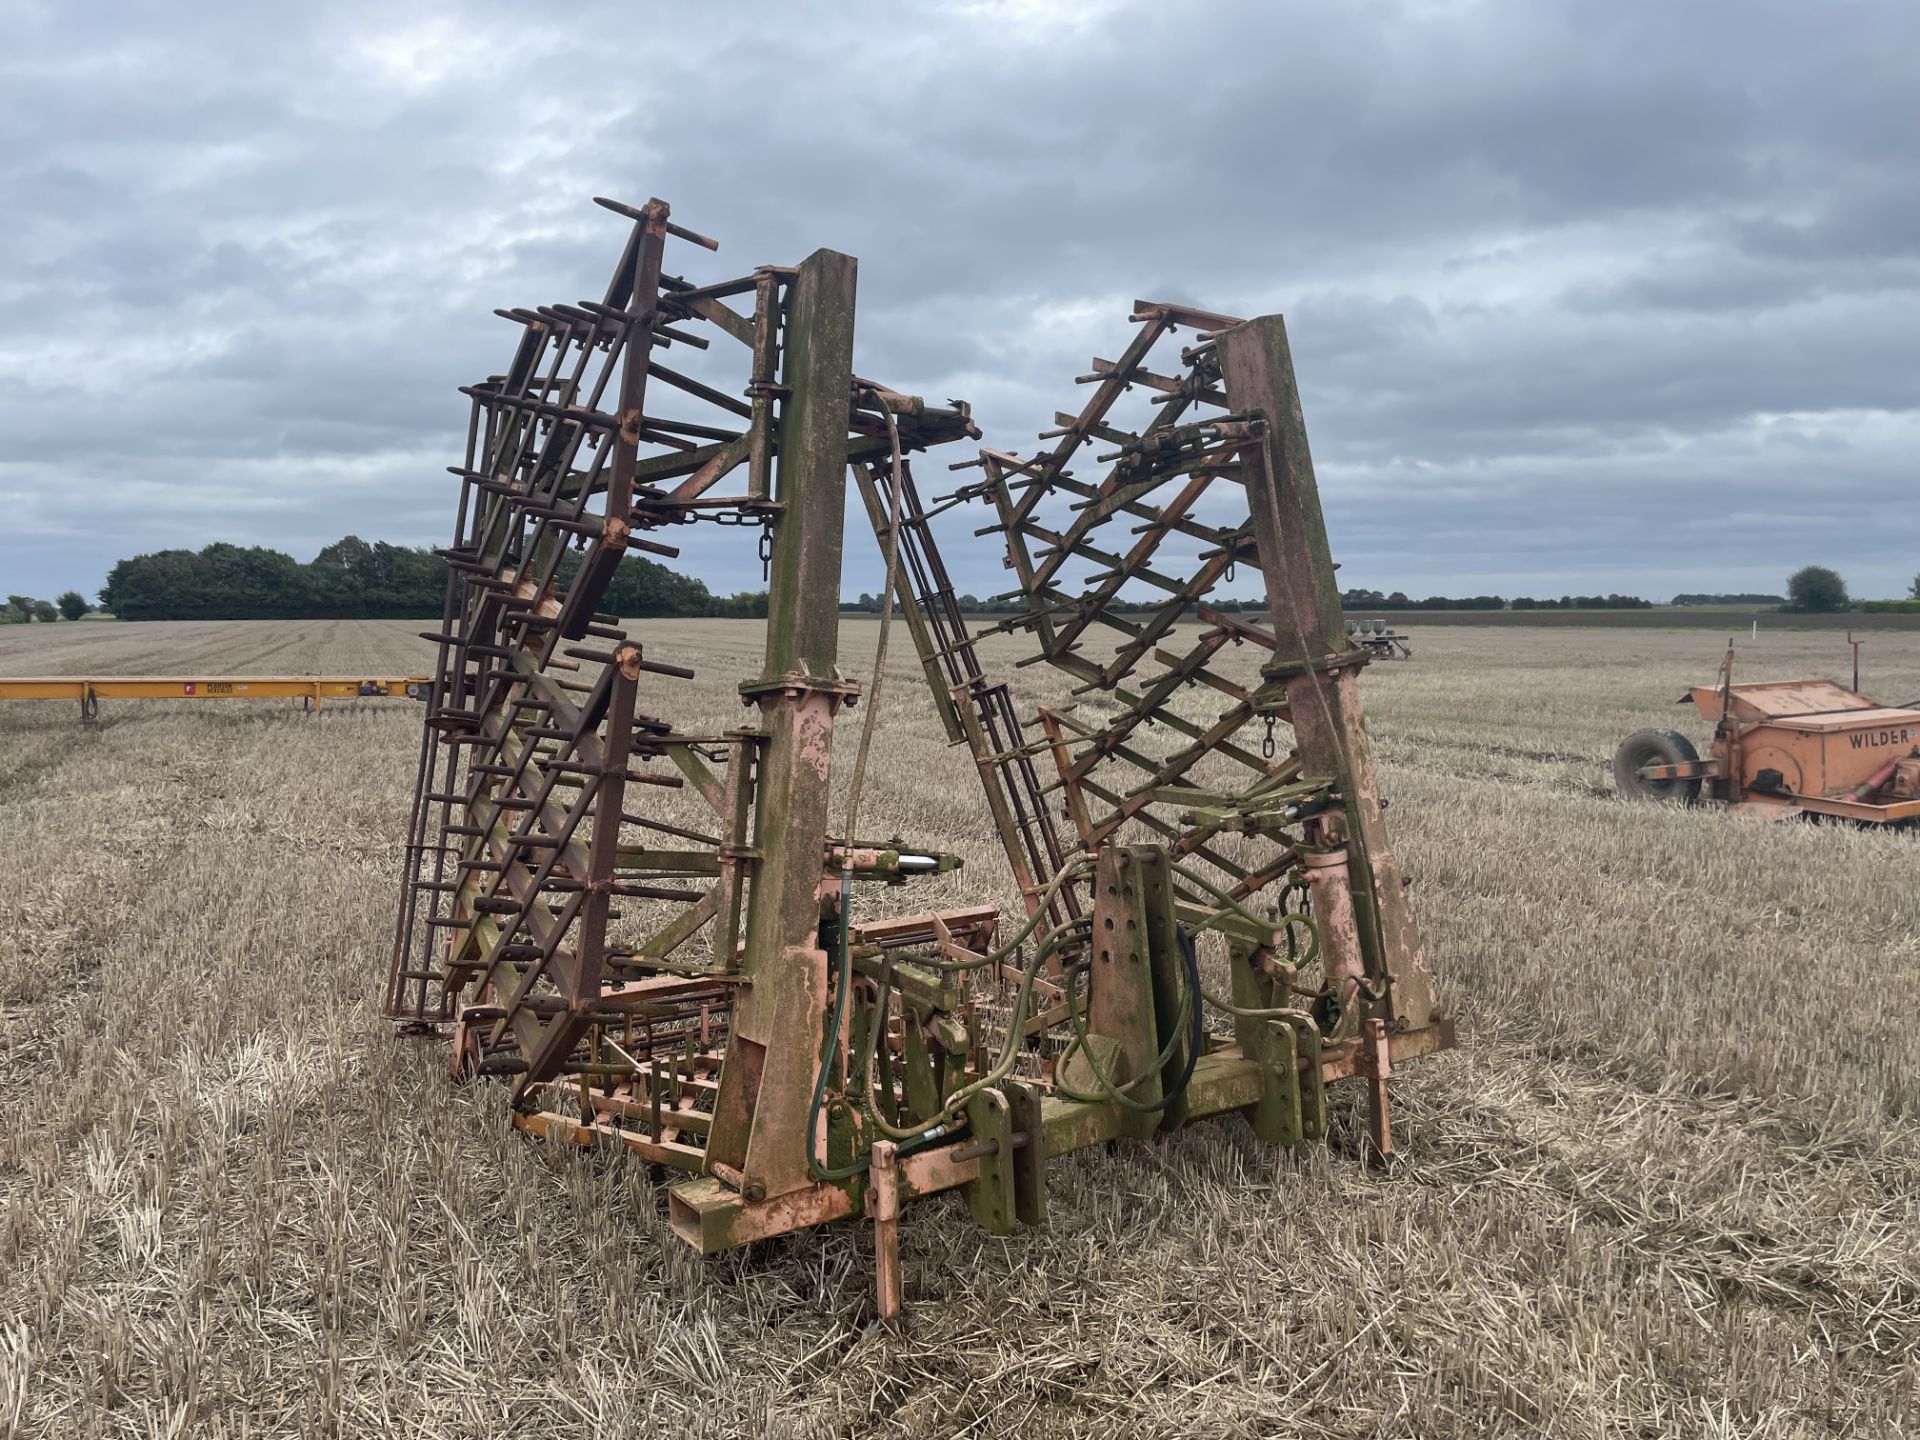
(1669, 1185)
(1732, 620)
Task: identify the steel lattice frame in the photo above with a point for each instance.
(523, 835)
(1296, 817)
(648, 929)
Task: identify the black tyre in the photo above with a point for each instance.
(1654, 747)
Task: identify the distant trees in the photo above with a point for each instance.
(24, 609)
(1913, 590)
(741, 605)
(870, 604)
(641, 587)
(221, 582)
(1464, 602)
(353, 579)
(1814, 589)
(1374, 600)
(1584, 602)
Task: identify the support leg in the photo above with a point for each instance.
(1378, 1065)
(883, 1204)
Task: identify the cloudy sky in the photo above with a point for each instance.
(1582, 296)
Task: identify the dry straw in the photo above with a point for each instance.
(1668, 1186)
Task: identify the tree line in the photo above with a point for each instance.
(1812, 589)
(1399, 600)
(354, 580)
(867, 604)
(25, 610)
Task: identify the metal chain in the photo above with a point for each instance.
(1267, 747)
(766, 552)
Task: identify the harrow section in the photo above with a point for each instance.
(1219, 476)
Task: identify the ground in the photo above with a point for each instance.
(1669, 1184)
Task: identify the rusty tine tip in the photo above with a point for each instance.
(618, 208)
(693, 237)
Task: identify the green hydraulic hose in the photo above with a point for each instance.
(1065, 873)
(1289, 918)
(1285, 920)
(1003, 1067)
(843, 983)
(1189, 1008)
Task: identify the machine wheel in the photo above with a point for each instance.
(1654, 747)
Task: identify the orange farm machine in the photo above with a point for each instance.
(1787, 747)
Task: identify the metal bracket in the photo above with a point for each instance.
(991, 1197)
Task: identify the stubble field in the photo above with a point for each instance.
(1668, 1185)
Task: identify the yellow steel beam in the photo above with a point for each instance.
(207, 687)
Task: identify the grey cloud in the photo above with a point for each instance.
(1549, 268)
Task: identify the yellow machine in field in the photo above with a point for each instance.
(312, 689)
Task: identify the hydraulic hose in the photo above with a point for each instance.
(880, 647)
(928, 1131)
(1285, 920)
(844, 979)
(1191, 1014)
(1065, 873)
(1003, 1067)
(1288, 918)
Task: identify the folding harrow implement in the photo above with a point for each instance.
(654, 926)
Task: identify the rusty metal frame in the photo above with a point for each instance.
(524, 835)
(1228, 423)
(705, 994)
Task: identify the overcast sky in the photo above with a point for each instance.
(1583, 296)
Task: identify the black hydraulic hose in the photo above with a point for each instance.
(1190, 952)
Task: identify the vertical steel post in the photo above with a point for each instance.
(1311, 652)
(1120, 989)
(883, 1204)
(760, 1117)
